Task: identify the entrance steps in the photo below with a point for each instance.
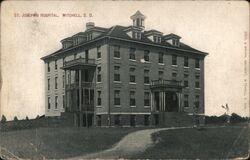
(175, 119)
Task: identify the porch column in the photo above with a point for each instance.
(70, 92)
(95, 99)
(80, 95)
(164, 100)
(151, 101)
(161, 101)
(179, 102)
(65, 91)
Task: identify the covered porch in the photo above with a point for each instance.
(79, 87)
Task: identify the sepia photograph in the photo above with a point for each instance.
(124, 80)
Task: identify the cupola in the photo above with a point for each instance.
(138, 19)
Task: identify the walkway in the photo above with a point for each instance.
(132, 143)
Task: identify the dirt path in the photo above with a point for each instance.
(132, 143)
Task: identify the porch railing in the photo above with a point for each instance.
(163, 83)
(79, 61)
(83, 85)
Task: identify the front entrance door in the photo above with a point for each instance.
(171, 100)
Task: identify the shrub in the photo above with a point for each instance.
(15, 118)
(3, 119)
(235, 118)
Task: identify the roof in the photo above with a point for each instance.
(119, 32)
(152, 31)
(171, 35)
(138, 14)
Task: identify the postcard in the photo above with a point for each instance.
(124, 80)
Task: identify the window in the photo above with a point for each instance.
(160, 58)
(56, 102)
(197, 84)
(146, 55)
(197, 101)
(117, 73)
(64, 101)
(56, 83)
(117, 120)
(185, 75)
(186, 103)
(132, 120)
(63, 79)
(146, 99)
(161, 75)
(99, 99)
(117, 97)
(185, 61)
(174, 60)
(185, 83)
(99, 76)
(48, 67)
(146, 76)
(132, 53)
(89, 36)
(55, 64)
(132, 98)
(117, 51)
(146, 120)
(136, 35)
(197, 63)
(197, 77)
(99, 52)
(49, 103)
(174, 75)
(64, 60)
(132, 75)
(175, 42)
(157, 39)
(48, 84)
(99, 120)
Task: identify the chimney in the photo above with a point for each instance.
(90, 25)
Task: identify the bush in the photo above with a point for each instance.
(27, 118)
(37, 117)
(15, 118)
(3, 119)
(235, 118)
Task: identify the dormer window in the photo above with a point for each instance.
(137, 35)
(89, 36)
(157, 39)
(66, 45)
(172, 39)
(175, 42)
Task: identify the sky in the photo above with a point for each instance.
(219, 28)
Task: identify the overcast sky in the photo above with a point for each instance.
(214, 27)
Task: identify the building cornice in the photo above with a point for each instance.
(122, 39)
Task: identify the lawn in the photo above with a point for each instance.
(208, 143)
(56, 143)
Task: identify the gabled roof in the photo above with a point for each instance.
(171, 35)
(117, 32)
(152, 31)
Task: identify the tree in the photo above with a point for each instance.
(27, 118)
(3, 119)
(37, 117)
(15, 118)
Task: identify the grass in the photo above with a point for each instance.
(208, 143)
(56, 143)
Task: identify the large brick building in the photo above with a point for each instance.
(124, 75)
